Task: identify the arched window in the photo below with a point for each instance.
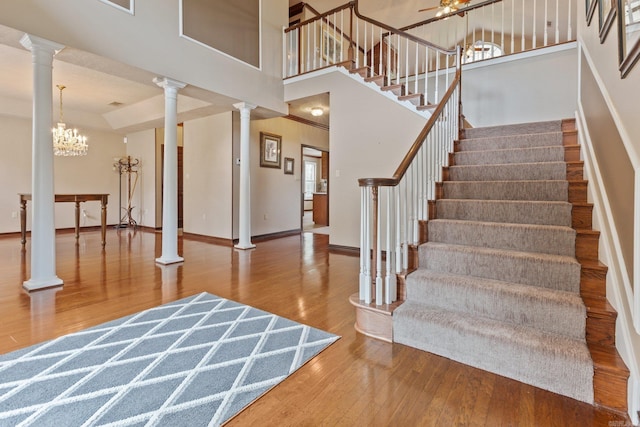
(482, 50)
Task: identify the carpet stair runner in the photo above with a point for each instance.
(508, 278)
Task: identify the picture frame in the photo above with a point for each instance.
(288, 165)
(606, 14)
(591, 8)
(270, 146)
(628, 35)
(331, 47)
(124, 5)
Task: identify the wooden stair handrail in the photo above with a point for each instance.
(353, 4)
(320, 16)
(413, 151)
(402, 33)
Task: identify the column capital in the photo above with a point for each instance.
(167, 83)
(29, 42)
(244, 106)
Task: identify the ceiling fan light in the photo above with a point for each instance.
(317, 111)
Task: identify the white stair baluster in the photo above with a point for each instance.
(378, 254)
(523, 28)
(569, 30)
(534, 24)
(546, 20)
(557, 20)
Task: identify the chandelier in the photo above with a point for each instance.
(67, 142)
(446, 7)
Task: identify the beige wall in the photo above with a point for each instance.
(142, 146)
(92, 173)
(614, 164)
(369, 136)
(207, 177)
(623, 94)
(275, 197)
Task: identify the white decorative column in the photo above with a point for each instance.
(170, 191)
(244, 241)
(43, 231)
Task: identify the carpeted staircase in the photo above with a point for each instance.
(498, 284)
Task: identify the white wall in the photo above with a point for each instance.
(521, 88)
(369, 136)
(92, 173)
(275, 197)
(142, 146)
(150, 41)
(208, 163)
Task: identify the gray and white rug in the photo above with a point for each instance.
(193, 362)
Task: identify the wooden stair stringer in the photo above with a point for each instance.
(400, 90)
(610, 373)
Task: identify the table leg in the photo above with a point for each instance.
(104, 222)
(77, 221)
(23, 221)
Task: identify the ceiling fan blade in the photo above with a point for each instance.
(429, 8)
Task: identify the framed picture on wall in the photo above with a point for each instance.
(270, 150)
(124, 5)
(288, 165)
(591, 7)
(628, 34)
(606, 14)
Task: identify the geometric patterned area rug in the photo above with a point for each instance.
(193, 362)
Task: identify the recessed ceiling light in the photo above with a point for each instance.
(317, 111)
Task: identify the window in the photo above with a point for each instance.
(309, 179)
(482, 50)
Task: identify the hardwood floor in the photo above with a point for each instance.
(358, 381)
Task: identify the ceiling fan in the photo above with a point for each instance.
(446, 6)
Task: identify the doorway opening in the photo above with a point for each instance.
(315, 190)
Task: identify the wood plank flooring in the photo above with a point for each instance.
(357, 381)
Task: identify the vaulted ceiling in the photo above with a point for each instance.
(103, 94)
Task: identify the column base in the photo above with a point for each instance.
(164, 260)
(36, 285)
(245, 246)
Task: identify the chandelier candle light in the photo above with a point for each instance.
(67, 142)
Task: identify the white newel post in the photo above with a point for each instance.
(170, 191)
(43, 232)
(244, 241)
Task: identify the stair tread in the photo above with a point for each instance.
(501, 150)
(512, 211)
(514, 129)
(606, 357)
(512, 236)
(474, 323)
(497, 224)
(599, 305)
(515, 135)
(498, 165)
(542, 293)
(515, 351)
(410, 96)
(593, 264)
(502, 252)
(537, 202)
